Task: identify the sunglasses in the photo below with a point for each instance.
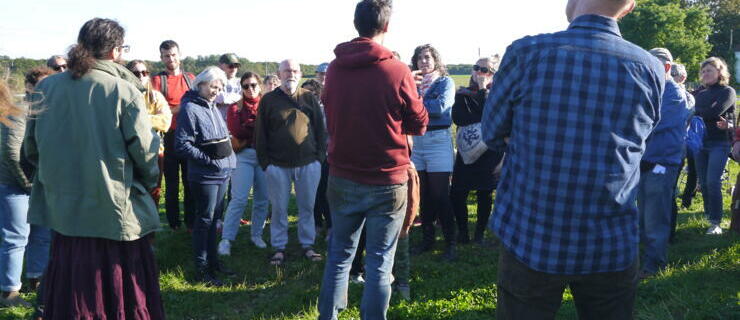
(141, 73)
(125, 48)
(60, 68)
(250, 85)
(233, 66)
(478, 68)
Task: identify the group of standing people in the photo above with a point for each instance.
(585, 153)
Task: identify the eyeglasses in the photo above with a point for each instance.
(478, 68)
(141, 73)
(60, 68)
(250, 85)
(125, 48)
(233, 66)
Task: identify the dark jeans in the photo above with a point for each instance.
(524, 293)
(459, 196)
(689, 190)
(209, 200)
(172, 167)
(321, 213)
(435, 204)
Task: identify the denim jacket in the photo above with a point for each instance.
(438, 101)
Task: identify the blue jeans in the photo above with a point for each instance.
(710, 163)
(208, 198)
(18, 237)
(655, 197)
(382, 209)
(248, 175)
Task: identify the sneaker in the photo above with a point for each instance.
(404, 291)
(714, 230)
(356, 279)
(221, 268)
(224, 247)
(258, 242)
(13, 299)
(208, 279)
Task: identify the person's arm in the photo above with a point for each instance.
(142, 145)
(12, 139)
(719, 106)
(260, 135)
(162, 117)
(319, 129)
(415, 116)
(498, 111)
(438, 105)
(412, 207)
(185, 138)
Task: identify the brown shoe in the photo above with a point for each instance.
(13, 299)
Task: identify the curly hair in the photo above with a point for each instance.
(439, 66)
(96, 39)
(7, 107)
(35, 75)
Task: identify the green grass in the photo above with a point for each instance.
(702, 281)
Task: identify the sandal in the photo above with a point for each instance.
(311, 255)
(278, 258)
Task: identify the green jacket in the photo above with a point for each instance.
(95, 154)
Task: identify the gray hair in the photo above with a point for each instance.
(209, 75)
(678, 71)
(52, 61)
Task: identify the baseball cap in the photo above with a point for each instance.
(662, 53)
(229, 58)
(322, 67)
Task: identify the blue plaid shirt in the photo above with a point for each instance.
(577, 106)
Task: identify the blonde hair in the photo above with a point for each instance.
(7, 107)
(493, 62)
(721, 66)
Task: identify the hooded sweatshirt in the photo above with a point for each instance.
(371, 104)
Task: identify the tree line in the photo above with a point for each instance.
(691, 29)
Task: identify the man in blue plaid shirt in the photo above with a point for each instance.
(572, 111)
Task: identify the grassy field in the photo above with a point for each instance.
(702, 280)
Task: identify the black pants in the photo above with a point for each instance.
(435, 204)
(172, 168)
(459, 197)
(321, 213)
(524, 293)
(690, 190)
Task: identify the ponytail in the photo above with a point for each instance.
(80, 61)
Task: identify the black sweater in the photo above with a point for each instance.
(712, 103)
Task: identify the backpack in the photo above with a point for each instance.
(696, 133)
(163, 81)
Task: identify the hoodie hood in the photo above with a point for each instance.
(360, 52)
(118, 71)
(194, 97)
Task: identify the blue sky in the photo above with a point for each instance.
(272, 30)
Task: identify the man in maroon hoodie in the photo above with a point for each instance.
(371, 105)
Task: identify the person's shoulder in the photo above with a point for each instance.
(729, 89)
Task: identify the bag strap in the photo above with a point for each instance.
(163, 83)
(188, 81)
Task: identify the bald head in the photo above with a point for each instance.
(609, 8)
(290, 74)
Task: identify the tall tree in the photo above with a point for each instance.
(670, 24)
(725, 36)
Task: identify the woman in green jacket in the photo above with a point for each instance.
(91, 142)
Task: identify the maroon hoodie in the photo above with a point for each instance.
(371, 104)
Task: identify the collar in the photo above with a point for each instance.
(597, 22)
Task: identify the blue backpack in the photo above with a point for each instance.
(696, 133)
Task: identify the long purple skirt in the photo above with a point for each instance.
(101, 279)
